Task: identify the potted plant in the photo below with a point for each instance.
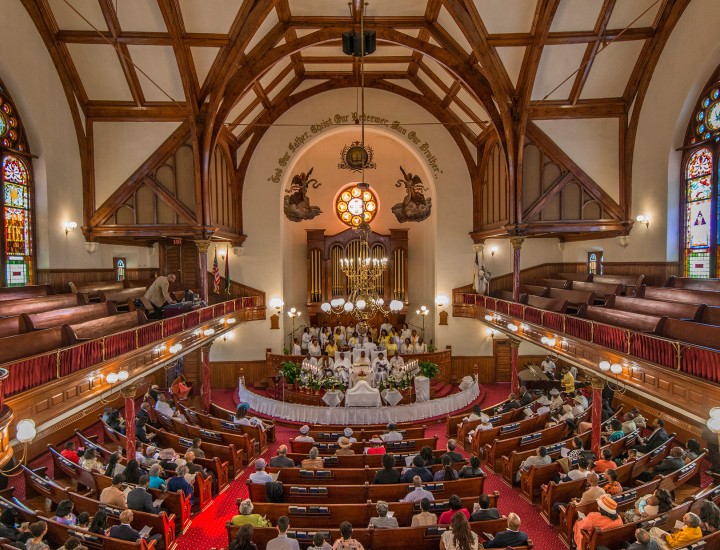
(289, 371)
(428, 369)
(431, 347)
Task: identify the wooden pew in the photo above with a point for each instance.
(535, 290)
(507, 295)
(563, 284)
(630, 282)
(11, 326)
(241, 440)
(331, 515)
(548, 304)
(65, 469)
(452, 420)
(92, 289)
(124, 298)
(501, 447)
(253, 431)
(690, 283)
(67, 316)
(321, 435)
(575, 298)
(497, 420)
(90, 330)
(303, 447)
(682, 295)
(692, 333)
(360, 460)
(559, 492)
(657, 308)
(599, 288)
(28, 291)
(624, 319)
(339, 494)
(581, 277)
(711, 316)
(43, 303)
(340, 476)
(522, 427)
(58, 533)
(28, 344)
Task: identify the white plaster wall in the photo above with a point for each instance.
(30, 76)
(690, 56)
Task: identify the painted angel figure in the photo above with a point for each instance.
(415, 206)
(296, 203)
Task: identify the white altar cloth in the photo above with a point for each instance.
(333, 398)
(309, 414)
(392, 397)
(422, 389)
(363, 394)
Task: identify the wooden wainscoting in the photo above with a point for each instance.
(58, 279)
(465, 366)
(224, 374)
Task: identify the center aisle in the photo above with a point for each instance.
(208, 528)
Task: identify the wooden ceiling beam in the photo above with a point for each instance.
(317, 75)
(592, 49)
(118, 111)
(122, 52)
(308, 59)
(142, 38)
(312, 22)
(584, 108)
(571, 37)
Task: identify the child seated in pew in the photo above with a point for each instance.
(319, 543)
(38, 531)
(346, 542)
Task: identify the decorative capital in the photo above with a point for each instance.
(517, 242)
(514, 342)
(128, 392)
(202, 246)
(479, 247)
(597, 382)
(205, 348)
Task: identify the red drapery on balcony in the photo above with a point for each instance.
(652, 349)
(248, 301)
(80, 357)
(30, 373)
(149, 333)
(218, 310)
(119, 343)
(192, 319)
(533, 315)
(206, 314)
(516, 310)
(553, 321)
(491, 303)
(173, 325)
(580, 328)
(701, 362)
(502, 307)
(611, 337)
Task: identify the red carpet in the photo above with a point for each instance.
(208, 528)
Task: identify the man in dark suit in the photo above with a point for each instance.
(511, 537)
(656, 438)
(418, 469)
(124, 531)
(669, 465)
(452, 453)
(140, 499)
(484, 511)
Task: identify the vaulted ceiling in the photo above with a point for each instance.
(485, 68)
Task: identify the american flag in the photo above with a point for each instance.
(216, 274)
(227, 271)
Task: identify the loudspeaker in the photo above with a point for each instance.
(351, 43)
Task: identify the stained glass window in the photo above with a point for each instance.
(355, 206)
(595, 260)
(16, 197)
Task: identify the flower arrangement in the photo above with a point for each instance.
(428, 369)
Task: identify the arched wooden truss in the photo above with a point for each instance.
(473, 64)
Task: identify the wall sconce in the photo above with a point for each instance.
(713, 422)
(91, 247)
(277, 303)
(644, 218)
(25, 432)
(441, 300)
(227, 336)
(115, 377)
(616, 370)
(493, 250)
(175, 348)
(69, 226)
(491, 332)
(223, 254)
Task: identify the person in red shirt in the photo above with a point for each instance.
(70, 452)
(455, 506)
(607, 462)
(377, 446)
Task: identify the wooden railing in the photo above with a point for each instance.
(30, 372)
(691, 359)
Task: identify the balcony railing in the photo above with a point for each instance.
(695, 360)
(30, 372)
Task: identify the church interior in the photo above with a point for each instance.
(333, 274)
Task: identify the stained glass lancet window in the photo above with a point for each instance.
(17, 191)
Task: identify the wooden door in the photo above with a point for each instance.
(501, 354)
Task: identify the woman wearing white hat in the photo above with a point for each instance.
(304, 431)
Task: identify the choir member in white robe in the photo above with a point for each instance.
(314, 331)
(414, 337)
(405, 332)
(407, 348)
(381, 366)
(314, 348)
(361, 368)
(421, 346)
(396, 362)
(386, 326)
(339, 336)
(548, 367)
(342, 368)
(312, 360)
(369, 346)
(296, 349)
(306, 338)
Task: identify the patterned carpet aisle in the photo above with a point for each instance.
(208, 528)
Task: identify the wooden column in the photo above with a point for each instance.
(205, 388)
(516, 243)
(514, 360)
(202, 247)
(128, 392)
(597, 387)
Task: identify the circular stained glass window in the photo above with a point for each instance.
(355, 206)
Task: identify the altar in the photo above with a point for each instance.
(363, 394)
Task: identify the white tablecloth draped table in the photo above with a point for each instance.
(422, 389)
(358, 415)
(363, 395)
(333, 398)
(392, 397)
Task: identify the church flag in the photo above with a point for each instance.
(216, 274)
(476, 274)
(227, 271)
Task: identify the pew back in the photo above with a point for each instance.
(43, 303)
(67, 316)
